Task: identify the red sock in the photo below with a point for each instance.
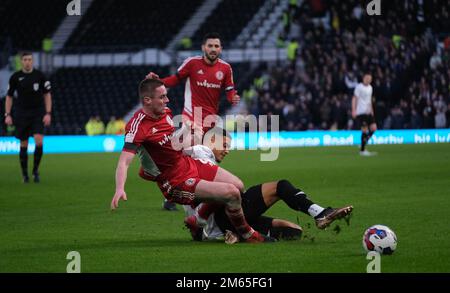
(237, 219)
(206, 209)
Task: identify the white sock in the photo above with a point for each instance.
(315, 210)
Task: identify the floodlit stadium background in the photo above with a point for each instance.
(299, 60)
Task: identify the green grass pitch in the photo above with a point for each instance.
(405, 187)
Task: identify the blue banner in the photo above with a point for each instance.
(337, 138)
(114, 143)
(67, 144)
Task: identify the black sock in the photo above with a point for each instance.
(370, 135)
(364, 139)
(23, 155)
(37, 158)
(293, 197)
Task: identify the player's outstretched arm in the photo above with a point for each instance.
(232, 96)
(354, 107)
(121, 177)
(48, 109)
(169, 81)
(373, 103)
(9, 99)
(152, 75)
(235, 100)
(8, 106)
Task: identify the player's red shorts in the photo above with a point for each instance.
(182, 189)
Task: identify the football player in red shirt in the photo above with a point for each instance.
(181, 179)
(206, 76)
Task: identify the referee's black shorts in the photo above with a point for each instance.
(364, 120)
(28, 125)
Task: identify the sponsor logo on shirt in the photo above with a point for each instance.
(165, 139)
(166, 185)
(219, 75)
(129, 137)
(134, 128)
(190, 181)
(208, 85)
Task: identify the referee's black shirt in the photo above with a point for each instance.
(30, 88)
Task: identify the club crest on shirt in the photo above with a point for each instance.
(169, 120)
(219, 75)
(190, 181)
(36, 86)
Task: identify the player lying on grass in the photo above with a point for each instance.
(255, 201)
(181, 179)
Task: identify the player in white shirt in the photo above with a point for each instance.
(362, 110)
(256, 201)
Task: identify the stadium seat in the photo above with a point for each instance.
(79, 93)
(228, 19)
(26, 24)
(114, 26)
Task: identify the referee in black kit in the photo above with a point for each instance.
(33, 108)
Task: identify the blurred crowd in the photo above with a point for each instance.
(95, 126)
(406, 49)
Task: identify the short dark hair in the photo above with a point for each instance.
(25, 53)
(148, 86)
(219, 131)
(212, 35)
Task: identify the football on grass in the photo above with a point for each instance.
(380, 238)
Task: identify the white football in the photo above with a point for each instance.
(380, 238)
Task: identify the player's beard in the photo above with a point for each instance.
(211, 58)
